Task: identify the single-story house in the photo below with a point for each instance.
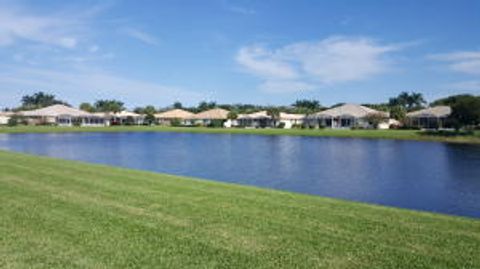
(429, 118)
(259, 119)
(207, 117)
(61, 115)
(290, 120)
(344, 116)
(5, 117)
(125, 118)
(167, 117)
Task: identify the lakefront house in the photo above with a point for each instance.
(61, 115)
(180, 116)
(345, 116)
(430, 118)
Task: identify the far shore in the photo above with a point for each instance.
(449, 137)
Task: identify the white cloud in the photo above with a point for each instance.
(264, 63)
(141, 36)
(90, 84)
(17, 24)
(467, 62)
(328, 61)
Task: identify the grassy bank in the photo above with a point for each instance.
(64, 214)
(374, 134)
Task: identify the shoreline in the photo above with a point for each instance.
(414, 135)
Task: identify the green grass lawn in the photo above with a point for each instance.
(379, 134)
(65, 214)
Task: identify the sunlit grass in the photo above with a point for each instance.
(65, 214)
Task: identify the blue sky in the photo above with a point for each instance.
(261, 52)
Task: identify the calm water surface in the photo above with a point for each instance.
(417, 175)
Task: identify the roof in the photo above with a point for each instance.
(352, 110)
(255, 116)
(175, 114)
(212, 114)
(433, 112)
(56, 111)
(6, 113)
(288, 116)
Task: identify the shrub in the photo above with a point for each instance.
(216, 124)
(175, 123)
(13, 121)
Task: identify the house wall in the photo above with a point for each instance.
(4, 120)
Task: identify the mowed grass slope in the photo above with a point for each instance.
(64, 214)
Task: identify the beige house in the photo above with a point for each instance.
(429, 118)
(207, 117)
(183, 116)
(344, 116)
(61, 115)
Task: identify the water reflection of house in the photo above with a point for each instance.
(429, 118)
(61, 115)
(345, 116)
(168, 117)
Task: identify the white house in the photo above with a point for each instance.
(259, 119)
(5, 117)
(344, 116)
(120, 118)
(61, 115)
(290, 120)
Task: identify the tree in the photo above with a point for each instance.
(87, 107)
(39, 100)
(109, 106)
(307, 106)
(274, 112)
(375, 119)
(232, 115)
(466, 111)
(450, 100)
(149, 112)
(206, 105)
(177, 105)
(409, 101)
(398, 112)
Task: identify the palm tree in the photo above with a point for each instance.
(415, 100)
(274, 113)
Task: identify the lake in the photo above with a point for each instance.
(428, 176)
